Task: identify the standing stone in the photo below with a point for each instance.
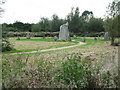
(83, 39)
(95, 38)
(28, 36)
(55, 38)
(74, 36)
(98, 37)
(106, 37)
(64, 32)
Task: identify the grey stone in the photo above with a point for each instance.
(55, 38)
(74, 36)
(83, 39)
(106, 37)
(64, 32)
(95, 38)
(98, 37)
(28, 36)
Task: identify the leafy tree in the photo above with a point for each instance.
(95, 25)
(74, 21)
(87, 15)
(19, 26)
(112, 22)
(8, 27)
(36, 28)
(84, 25)
(55, 23)
(27, 27)
(44, 24)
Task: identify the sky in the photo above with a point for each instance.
(30, 11)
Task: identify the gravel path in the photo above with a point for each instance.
(45, 50)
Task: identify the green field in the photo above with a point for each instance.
(34, 44)
(94, 64)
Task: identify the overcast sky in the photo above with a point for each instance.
(32, 10)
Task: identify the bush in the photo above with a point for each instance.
(79, 73)
(6, 45)
(20, 71)
(33, 34)
(75, 72)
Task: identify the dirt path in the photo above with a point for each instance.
(45, 50)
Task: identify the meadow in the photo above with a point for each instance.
(94, 64)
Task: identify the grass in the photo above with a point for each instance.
(34, 45)
(37, 39)
(89, 43)
(36, 70)
(23, 72)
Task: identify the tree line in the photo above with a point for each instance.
(86, 22)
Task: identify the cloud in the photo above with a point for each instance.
(32, 10)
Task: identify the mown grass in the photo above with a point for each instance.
(89, 43)
(68, 43)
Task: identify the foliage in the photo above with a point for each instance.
(111, 27)
(87, 15)
(112, 21)
(44, 24)
(73, 19)
(17, 27)
(55, 23)
(75, 71)
(20, 73)
(77, 24)
(36, 28)
(95, 25)
(80, 73)
(12, 70)
(6, 45)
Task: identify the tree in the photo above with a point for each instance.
(87, 15)
(8, 27)
(27, 27)
(95, 25)
(55, 23)
(74, 21)
(6, 46)
(36, 28)
(44, 24)
(19, 26)
(112, 22)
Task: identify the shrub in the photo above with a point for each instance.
(6, 45)
(75, 72)
(79, 73)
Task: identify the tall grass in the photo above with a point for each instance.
(70, 72)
